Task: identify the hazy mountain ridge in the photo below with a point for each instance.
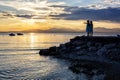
(102, 29)
(69, 30)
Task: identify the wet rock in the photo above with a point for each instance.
(89, 44)
(87, 72)
(96, 51)
(92, 49)
(109, 46)
(77, 38)
(68, 44)
(53, 53)
(100, 72)
(118, 45)
(98, 45)
(75, 69)
(53, 49)
(84, 46)
(113, 54)
(44, 52)
(82, 52)
(77, 43)
(87, 69)
(78, 48)
(62, 46)
(112, 77)
(102, 51)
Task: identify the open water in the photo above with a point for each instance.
(19, 58)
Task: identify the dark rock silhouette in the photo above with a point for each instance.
(100, 46)
(99, 53)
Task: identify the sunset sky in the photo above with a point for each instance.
(28, 15)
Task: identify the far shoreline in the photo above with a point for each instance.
(81, 33)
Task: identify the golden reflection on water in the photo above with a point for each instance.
(24, 64)
(46, 40)
(32, 40)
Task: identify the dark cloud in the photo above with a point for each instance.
(69, 13)
(25, 16)
(111, 14)
(4, 15)
(29, 16)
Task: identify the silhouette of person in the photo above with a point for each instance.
(89, 28)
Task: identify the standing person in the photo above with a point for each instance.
(91, 28)
(88, 28)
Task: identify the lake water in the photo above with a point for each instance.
(19, 58)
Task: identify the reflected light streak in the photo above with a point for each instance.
(32, 40)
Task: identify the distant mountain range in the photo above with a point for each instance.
(55, 30)
(68, 30)
(101, 29)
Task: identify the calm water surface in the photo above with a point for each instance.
(19, 58)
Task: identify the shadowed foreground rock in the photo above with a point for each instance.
(106, 47)
(87, 54)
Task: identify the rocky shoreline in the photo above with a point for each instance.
(90, 55)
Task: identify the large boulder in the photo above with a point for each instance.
(118, 45)
(68, 44)
(93, 49)
(78, 43)
(78, 48)
(62, 46)
(52, 51)
(82, 52)
(110, 46)
(98, 45)
(44, 52)
(113, 54)
(105, 48)
(84, 46)
(102, 51)
(89, 44)
(77, 38)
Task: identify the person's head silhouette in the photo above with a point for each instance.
(91, 22)
(88, 21)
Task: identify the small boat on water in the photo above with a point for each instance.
(11, 34)
(19, 34)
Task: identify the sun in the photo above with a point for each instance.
(30, 21)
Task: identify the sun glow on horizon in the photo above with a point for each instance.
(38, 15)
(31, 24)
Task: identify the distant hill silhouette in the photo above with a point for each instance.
(101, 29)
(69, 30)
(55, 30)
